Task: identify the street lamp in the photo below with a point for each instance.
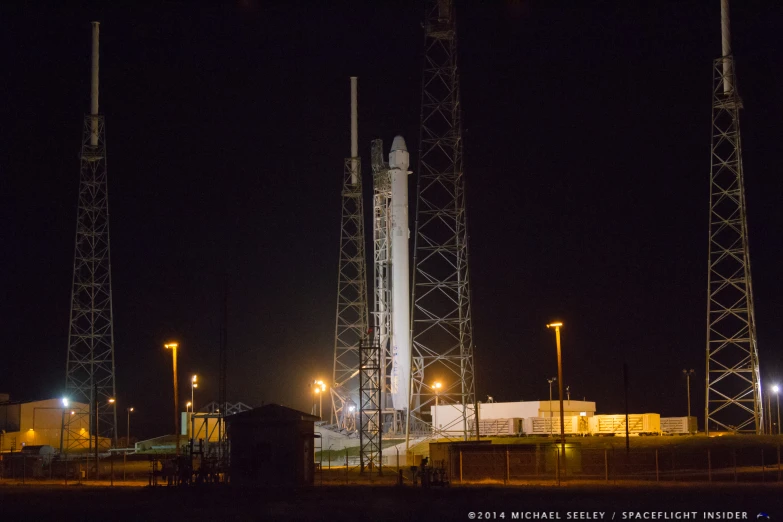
(127, 442)
(776, 389)
(557, 327)
(436, 386)
(193, 386)
(688, 374)
(187, 406)
(320, 388)
(173, 348)
(550, 381)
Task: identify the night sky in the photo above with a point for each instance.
(587, 135)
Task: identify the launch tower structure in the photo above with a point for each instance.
(352, 317)
(441, 325)
(733, 399)
(89, 376)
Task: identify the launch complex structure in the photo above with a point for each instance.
(393, 378)
(422, 328)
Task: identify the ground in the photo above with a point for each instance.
(607, 502)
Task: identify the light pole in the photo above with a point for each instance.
(173, 348)
(127, 442)
(769, 412)
(193, 386)
(776, 389)
(436, 386)
(550, 381)
(320, 388)
(557, 327)
(688, 374)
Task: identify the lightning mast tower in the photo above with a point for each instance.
(351, 323)
(733, 396)
(89, 375)
(441, 326)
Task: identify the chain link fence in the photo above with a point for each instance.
(548, 463)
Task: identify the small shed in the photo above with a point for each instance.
(272, 446)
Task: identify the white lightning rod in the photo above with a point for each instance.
(94, 85)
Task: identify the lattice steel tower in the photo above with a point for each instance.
(733, 382)
(90, 361)
(442, 331)
(351, 323)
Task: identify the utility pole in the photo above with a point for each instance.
(688, 374)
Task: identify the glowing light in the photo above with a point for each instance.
(554, 325)
(194, 379)
(171, 346)
(65, 402)
(111, 401)
(437, 385)
(776, 388)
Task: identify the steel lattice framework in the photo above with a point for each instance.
(90, 360)
(442, 331)
(352, 320)
(733, 400)
(370, 419)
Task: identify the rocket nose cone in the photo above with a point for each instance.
(399, 144)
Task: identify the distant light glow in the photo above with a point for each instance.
(111, 401)
(776, 388)
(65, 402)
(554, 325)
(171, 346)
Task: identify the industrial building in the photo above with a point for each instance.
(272, 445)
(50, 422)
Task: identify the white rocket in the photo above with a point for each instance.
(399, 161)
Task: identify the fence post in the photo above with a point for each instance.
(508, 467)
(778, 462)
(709, 466)
(763, 469)
(557, 469)
(657, 475)
(606, 464)
(111, 465)
(460, 466)
(734, 457)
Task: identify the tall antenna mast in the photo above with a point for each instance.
(733, 382)
(351, 318)
(89, 376)
(441, 325)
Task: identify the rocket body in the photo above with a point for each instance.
(399, 161)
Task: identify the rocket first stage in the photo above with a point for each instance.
(399, 161)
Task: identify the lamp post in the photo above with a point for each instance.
(688, 374)
(127, 442)
(193, 386)
(320, 388)
(436, 386)
(776, 389)
(550, 381)
(173, 348)
(557, 327)
(769, 413)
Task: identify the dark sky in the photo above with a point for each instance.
(587, 135)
